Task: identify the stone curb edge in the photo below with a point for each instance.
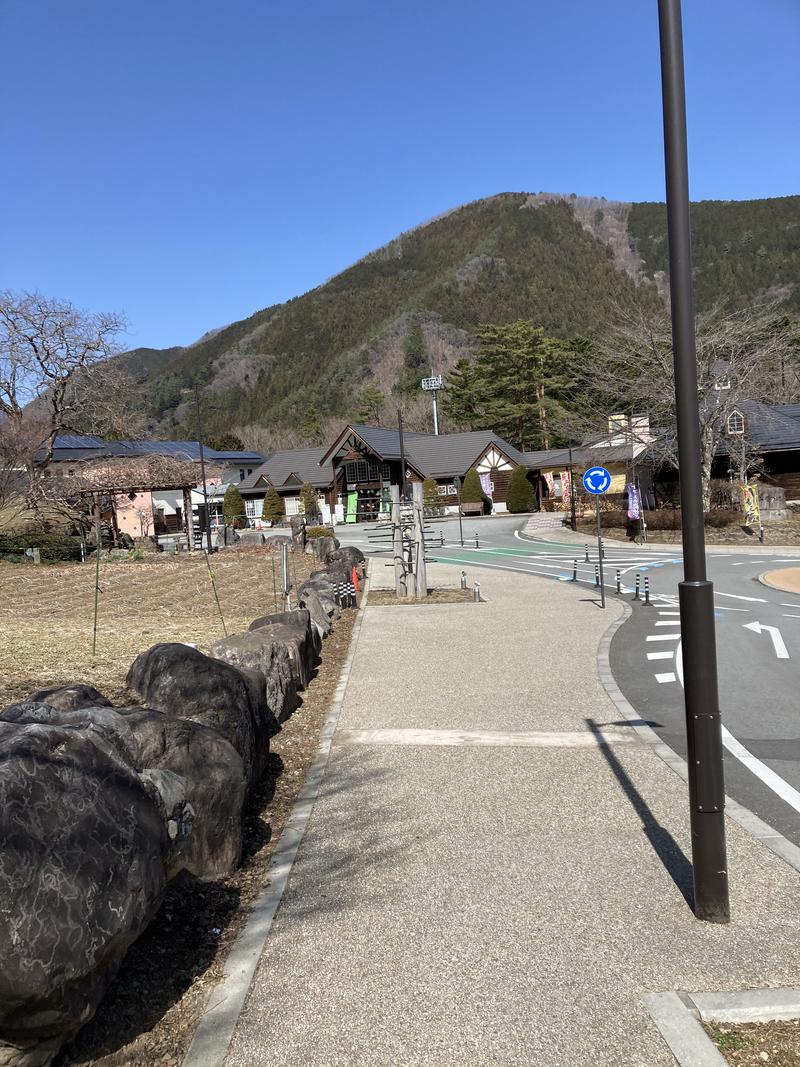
(212, 1038)
(678, 1017)
(747, 819)
(762, 578)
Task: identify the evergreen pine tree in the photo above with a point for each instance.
(416, 364)
(431, 500)
(273, 506)
(520, 496)
(309, 501)
(472, 490)
(232, 506)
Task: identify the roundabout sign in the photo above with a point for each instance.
(597, 481)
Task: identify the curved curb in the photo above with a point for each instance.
(747, 819)
(212, 1038)
(670, 546)
(764, 579)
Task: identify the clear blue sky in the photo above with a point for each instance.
(189, 162)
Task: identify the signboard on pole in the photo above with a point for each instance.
(432, 383)
(597, 481)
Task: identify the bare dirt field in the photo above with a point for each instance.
(46, 613)
(151, 1010)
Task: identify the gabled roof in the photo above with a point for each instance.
(303, 463)
(768, 428)
(453, 454)
(385, 443)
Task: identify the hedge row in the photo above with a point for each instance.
(668, 519)
(54, 547)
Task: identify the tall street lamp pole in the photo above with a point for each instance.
(696, 593)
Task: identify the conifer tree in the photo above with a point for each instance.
(472, 490)
(431, 500)
(309, 501)
(232, 505)
(520, 496)
(273, 506)
(416, 364)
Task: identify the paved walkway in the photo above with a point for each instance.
(506, 902)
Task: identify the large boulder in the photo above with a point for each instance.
(76, 695)
(85, 850)
(215, 784)
(325, 587)
(321, 546)
(311, 602)
(270, 659)
(250, 537)
(350, 556)
(295, 630)
(183, 683)
(298, 525)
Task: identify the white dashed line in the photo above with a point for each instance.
(663, 637)
(668, 622)
(663, 678)
(660, 655)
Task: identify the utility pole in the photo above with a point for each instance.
(202, 467)
(696, 593)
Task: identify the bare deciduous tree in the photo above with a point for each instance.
(739, 357)
(49, 352)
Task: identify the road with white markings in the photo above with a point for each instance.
(758, 644)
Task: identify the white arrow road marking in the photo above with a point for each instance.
(662, 678)
(735, 596)
(778, 643)
(660, 655)
(663, 637)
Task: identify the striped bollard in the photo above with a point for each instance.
(574, 570)
(476, 593)
(638, 583)
(647, 591)
(476, 540)
(619, 581)
(586, 553)
(351, 592)
(596, 576)
(463, 579)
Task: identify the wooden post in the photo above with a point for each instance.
(189, 517)
(420, 570)
(400, 581)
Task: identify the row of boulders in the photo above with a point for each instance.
(100, 806)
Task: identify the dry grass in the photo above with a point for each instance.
(46, 613)
(753, 1044)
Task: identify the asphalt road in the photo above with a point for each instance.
(758, 667)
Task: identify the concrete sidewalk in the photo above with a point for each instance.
(464, 904)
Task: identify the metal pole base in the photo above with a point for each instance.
(704, 752)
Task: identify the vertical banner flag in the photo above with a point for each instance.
(486, 484)
(634, 502)
(566, 489)
(750, 503)
(550, 482)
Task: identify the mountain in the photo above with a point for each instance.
(564, 261)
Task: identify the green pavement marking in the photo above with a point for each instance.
(516, 551)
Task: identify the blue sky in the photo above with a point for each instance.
(189, 162)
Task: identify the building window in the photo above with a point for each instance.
(362, 471)
(735, 423)
(253, 508)
(241, 474)
(722, 383)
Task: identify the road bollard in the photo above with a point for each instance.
(476, 540)
(476, 593)
(638, 582)
(574, 570)
(441, 539)
(586, 553)
(463, 579)
(647, 591)
(602, 548)
(619, 581)
(596, 576)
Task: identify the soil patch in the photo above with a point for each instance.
(386, 598)
(754, 1044)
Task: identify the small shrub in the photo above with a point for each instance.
(718, 518)
(318, 531)
(520, 496)
(54, 547)
(309, 501)
(472, 491)
(431, 501)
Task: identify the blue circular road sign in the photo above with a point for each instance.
(597, 481)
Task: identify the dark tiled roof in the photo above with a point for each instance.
(301, 462)
(75, 447)
(453, 454)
